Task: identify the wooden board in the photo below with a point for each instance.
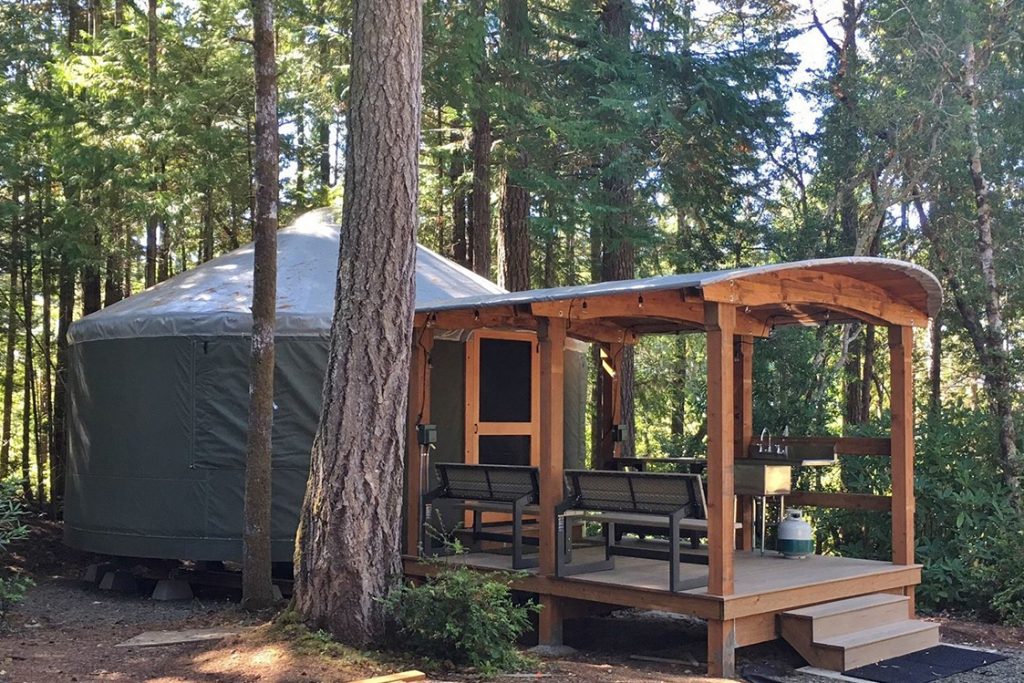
(401, 677)
(192, 635)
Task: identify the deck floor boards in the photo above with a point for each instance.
(755, 574)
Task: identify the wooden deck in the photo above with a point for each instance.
(764, 585)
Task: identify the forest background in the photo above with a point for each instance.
(566, 142)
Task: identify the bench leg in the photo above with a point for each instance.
(722, 648)
(478, 528)
(673, 560)
(518, 559)
(550, 621)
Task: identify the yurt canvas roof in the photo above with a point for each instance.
(215, 298)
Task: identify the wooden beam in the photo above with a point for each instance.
(845, 501)
(551, 337)
(671, 305)
(719, 319)
(839, 445)
(552, 372)
(901, 402)
(418, 413)
(743, 426)
(847, 294)
(722, 648)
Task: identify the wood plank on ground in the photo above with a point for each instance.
(191, 635)
(400, 677)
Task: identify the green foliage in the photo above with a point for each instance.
(12, 586)
(462, 616)
(968, 537)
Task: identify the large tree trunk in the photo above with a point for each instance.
(460, 223)
(257, 588)
(207, 250)
(515, 198)
(29, 368)
(618, 257)
(998, 373)
(58, 433)
(480, 145)
(480, 197)
(92, 290)
(980, 339)
(348, 544)
(515, 234)
(12, 340)
(153, 220)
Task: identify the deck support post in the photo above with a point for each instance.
(720, 322)
(722, 647)
(418, 413)
(551, 342)
(611, 403)
(901, 402)
(743, 405)
(549, 631)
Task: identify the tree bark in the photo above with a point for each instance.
(12, 340)
(207, 252)
(29, 368)
(998, 375)
(480, 146)
(618, 257)
(58, 434)
(257, 586)
(480, 197)
(514, 219)
(153, 220)
(460, 224)
(92, 290)
(515, 234)
(348, 544)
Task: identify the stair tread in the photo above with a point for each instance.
(878, 634)
(838, 607)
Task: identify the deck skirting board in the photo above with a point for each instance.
(754, 612)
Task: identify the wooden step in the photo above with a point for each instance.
(849, 633)
(846, 616)
(872, 645)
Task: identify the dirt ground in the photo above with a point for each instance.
(69, 631)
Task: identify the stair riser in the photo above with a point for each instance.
(848, 622)
(870, 653)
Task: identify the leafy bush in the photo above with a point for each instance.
(12, 587)
(462, 616)
(968, 537)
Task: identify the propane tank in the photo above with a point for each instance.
(796, 538)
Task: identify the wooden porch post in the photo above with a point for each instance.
(611, 404)
(901, 401)
(551, 337)
(720, 322)
(419, 413)
(744, 429)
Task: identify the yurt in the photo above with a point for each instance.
(158, 389)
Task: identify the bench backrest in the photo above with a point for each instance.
(639, 492)
(502, 483)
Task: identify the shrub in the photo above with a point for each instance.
(462, 616)
(12, 587)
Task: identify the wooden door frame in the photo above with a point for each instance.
(473, 427)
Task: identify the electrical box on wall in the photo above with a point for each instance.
(426, 435)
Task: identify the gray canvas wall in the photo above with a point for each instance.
(157, 439)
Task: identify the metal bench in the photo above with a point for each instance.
(510, 489)
(671, 502)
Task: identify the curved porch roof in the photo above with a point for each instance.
(812, 292)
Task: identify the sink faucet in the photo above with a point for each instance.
(763, 447)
